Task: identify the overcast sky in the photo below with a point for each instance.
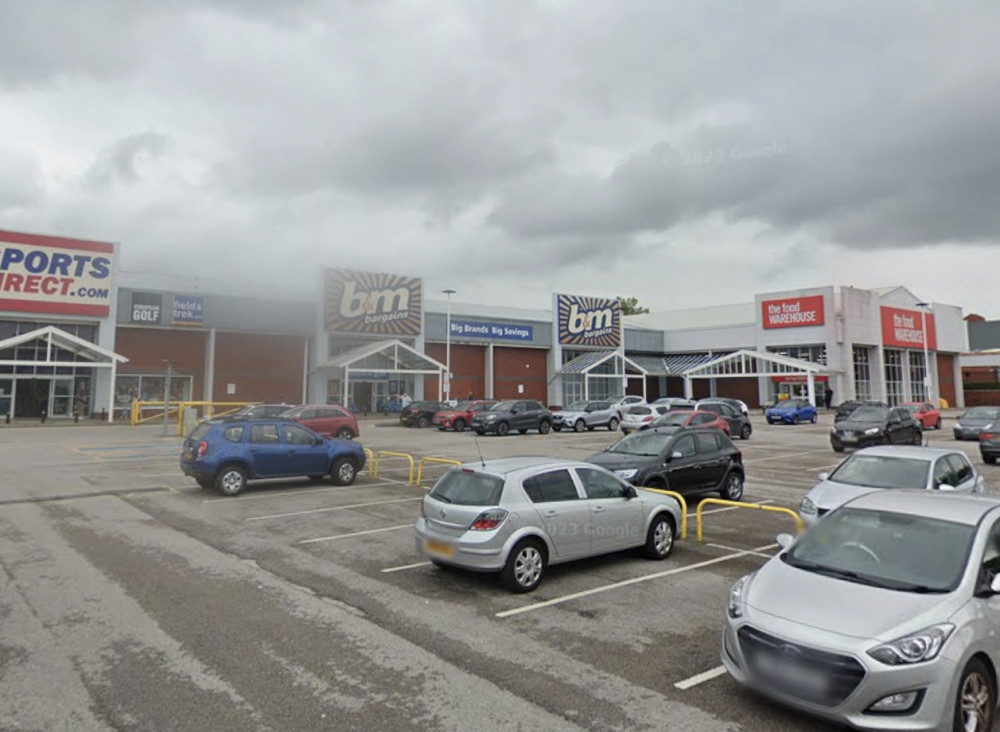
(685, 153)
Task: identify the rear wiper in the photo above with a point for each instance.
(443, 499)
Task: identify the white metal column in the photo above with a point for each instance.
(111, 391)
(208, 388)
(489, 373)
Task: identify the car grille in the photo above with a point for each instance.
(840, 674)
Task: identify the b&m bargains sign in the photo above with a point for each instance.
(904, 328)
(373, 302)
(588, 321)
(793, 312)
(48, 274)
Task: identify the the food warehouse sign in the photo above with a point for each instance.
(793, 312)
(48, 274)
(905, 328)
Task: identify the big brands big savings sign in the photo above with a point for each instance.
(588, 321)
(376, 303)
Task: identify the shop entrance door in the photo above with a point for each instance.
(31, 398)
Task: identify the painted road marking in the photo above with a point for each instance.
(331, 508)
(633, 581)
(357, 533)
(701, 678)
(299, 492)
(406, 566)
(737, 549)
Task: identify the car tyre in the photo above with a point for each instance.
(544, 427)
(345, 433)
(579, 426)
(838, 448)
(732, 487)
(795, 419)
(937, 425)
(231, 480)
(503, 429)
(812, 418)
(344, 471)
(975, 701)
(659, 538)
(745, 432)
(206, 483)
(423, 422)
(613, 425)
(556, 427)
(525, 566)
(459, 425)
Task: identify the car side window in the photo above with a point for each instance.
(264, 434)
(706, 442)
(685, 446)
(943, 472)
(295, 435)
(703, 418)
(961, 468)
(991, 555)
(597, 484)
(234, 434)
(330, 412)
(308, 414)
(556, 485)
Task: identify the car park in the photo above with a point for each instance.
(676, 403)
(845, 409)
(636, 418)
(581, 416)
(691, 418)
(686, 460)
(326, 420)
(226, 454)
(513, 416)
(739, 423)
(891, 467)
(974, 421)
(791, 411)
(260, 411)
(868, 426)
(421, 414)
(926, 413)
(882, 616)
(518, 516)
(460, 417)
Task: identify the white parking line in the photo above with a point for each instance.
(736, 549)
(633, 581)
(784, 457)
(357, 533)
(298, 492)
(406, 566)
(331, 508)
(701, 678)
(727, 508)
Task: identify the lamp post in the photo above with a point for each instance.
(927, 356)
(447, 346)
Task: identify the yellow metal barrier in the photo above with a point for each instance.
(680, 500)
(756, 506)
(209, 410)
(436, 461)
(387, 453)
(371, 459)
(135, 414)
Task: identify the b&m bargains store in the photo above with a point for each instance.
(77, 336)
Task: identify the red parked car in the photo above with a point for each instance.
(459, 418)
(326, 420)
(925, 413)
(688, 418)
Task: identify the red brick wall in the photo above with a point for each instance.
(147, 347)
(468, 363)
(946, 378)
(745, 389)
(264, 367)
(514, 366)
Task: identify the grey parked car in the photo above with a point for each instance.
(581, 416)
(513, 416)
(882, 616)
(895, 466)
(974, 421)
(517, 516)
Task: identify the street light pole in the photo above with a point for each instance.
(927, 356)
(447, 346)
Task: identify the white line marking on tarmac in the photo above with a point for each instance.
(299, 492)
(356, 533)
(727, 508)
(406, 566)
(783, 457)
(737, 549)
(701, 678)
(633, 581)
(330, 508)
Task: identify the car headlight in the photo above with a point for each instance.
(490, 417)
(873, 430)
(988, 426)
(922, 646)
(737, 596)
(807, 506)
(833, 430)
(626, 474)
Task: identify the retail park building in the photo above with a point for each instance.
(78, 335)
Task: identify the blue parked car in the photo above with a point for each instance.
(226, 453)
(791, 411)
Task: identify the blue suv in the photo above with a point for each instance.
(226, 453)
(791, 411)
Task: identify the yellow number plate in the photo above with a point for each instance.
(439, 548)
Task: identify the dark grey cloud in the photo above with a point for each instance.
(118, 161)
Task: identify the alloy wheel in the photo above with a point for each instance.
(528, 566)
(975, 699)
(663, 537)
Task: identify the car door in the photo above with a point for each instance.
(681, 465)
(702, 420)
(330, 419)
(964, 474)
(267, 451)
(910, 427)
(616, 521)
(307, 455)
(896, 428)
(733, 417)
(713, 462)
(563, 513)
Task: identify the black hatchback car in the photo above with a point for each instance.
(420, 414)
(685, 459)
(845, 409)
(507, 416)
(739, 423)
(867, 426)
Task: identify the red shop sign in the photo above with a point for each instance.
(793, 312)
(904, 328)
(797, 378)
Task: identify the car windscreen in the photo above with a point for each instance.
(870, 414)
(880, 471)
(577, 406)
(502, 406)
(638, 411)
(982, 413)
(200, 431)
(885, 549)
(647, 444)
(468, 488)
(911, 408)
(677, 419)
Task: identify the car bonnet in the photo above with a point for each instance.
(830, 494)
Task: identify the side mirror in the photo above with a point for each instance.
(785, 540)
(988, 584)
(675, 455)
(630, 492)
(995, 585)
(823, 476)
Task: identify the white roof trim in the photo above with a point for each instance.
(344, 360)
(790, 365)
(64, 340)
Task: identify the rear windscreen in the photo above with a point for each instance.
(200, 431)
(468, 489)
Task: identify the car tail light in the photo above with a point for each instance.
(489, 520)
(985, 435)
(202, 448)
(648, 419)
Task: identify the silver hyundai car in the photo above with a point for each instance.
(516, 516)
(882, 616)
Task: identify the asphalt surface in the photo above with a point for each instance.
(134, 600)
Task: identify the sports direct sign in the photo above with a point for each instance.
(904, 328)
(48, 274)
(793, 312)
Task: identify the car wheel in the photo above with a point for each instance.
(344, 471)
(544, 427)
(231, 480)
(612, 425)
(976, 699)
(459, 425)
(503, 429)
(770, 421)
(345, 433)
(745, 432)
(525, 566)
(838, 448)
(206, 483)
(556, 427)
(659, 538)
(423, 422)
(579, 426)
(937, 425)
(990, 459)
(732, 489)
(795, 419)
(812, 418)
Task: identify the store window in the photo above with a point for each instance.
(150, 388)
(862, 373)
(918, 390)
(894, 376)
(813, 354)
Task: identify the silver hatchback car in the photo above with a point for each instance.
(516, 516)
(882, 616)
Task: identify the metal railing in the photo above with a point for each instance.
(371, 459)
(436, 461)
(738, 504)
(389, 453)
(684, 507)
